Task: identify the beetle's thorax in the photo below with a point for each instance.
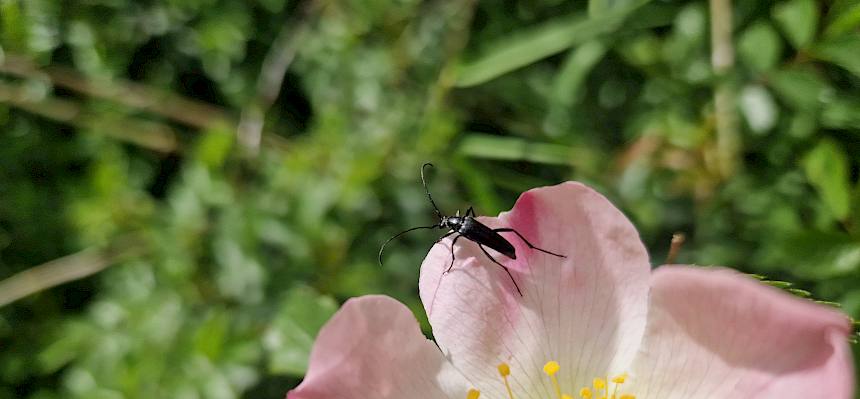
(452, 222)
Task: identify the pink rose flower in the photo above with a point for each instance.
(597, 324)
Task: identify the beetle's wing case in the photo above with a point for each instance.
(481, 234)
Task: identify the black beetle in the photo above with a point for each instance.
(469, 227)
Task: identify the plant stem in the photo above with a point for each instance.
(722, 60)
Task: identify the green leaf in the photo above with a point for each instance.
(481, 190)
(798, 20)
(599, 8)
(13, 25)
(529, 45)
(760, 46)
(799, 292)
(801, 88)
(802, 124)
(213, 148)
(814, 254)
(291, 335)
(779, 284)
(212, 334)
(567, 88)
(641, 51)
(486, 146)
(74, 340)
(842, 113)
(844, 15)
(576, 67)
(826, 167)
(843, 51)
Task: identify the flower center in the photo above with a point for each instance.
(600, 388)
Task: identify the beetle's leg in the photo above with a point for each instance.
(503, 267)
(470, 212)
(452, 253)
(444, 237)
(505, 229)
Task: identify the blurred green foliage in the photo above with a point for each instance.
(223, 257)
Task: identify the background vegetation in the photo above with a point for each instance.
(188, 188)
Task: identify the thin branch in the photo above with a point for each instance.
(675, 247)
(63, 270)
(272, 73)
(722, 60)
(148, 134)
(181, 109)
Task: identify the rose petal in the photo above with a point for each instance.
(586, 311)
(373, 348)
(714, 333)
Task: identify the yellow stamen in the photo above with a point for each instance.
(505, 371)
(606, 390)
(602, 387)
(618, 380)
(473, 394)
(550, 368)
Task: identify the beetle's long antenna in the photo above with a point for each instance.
(424, 182)
(382, 249)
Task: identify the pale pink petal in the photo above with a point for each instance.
(373, 348)
(714, 333)
(586, 311)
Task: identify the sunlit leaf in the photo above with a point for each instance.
(844, 15)
(514, 149)
(798, 20)
(568, 81)
(14, 25)
(826, 167)
(760, 46)
(532, 44)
